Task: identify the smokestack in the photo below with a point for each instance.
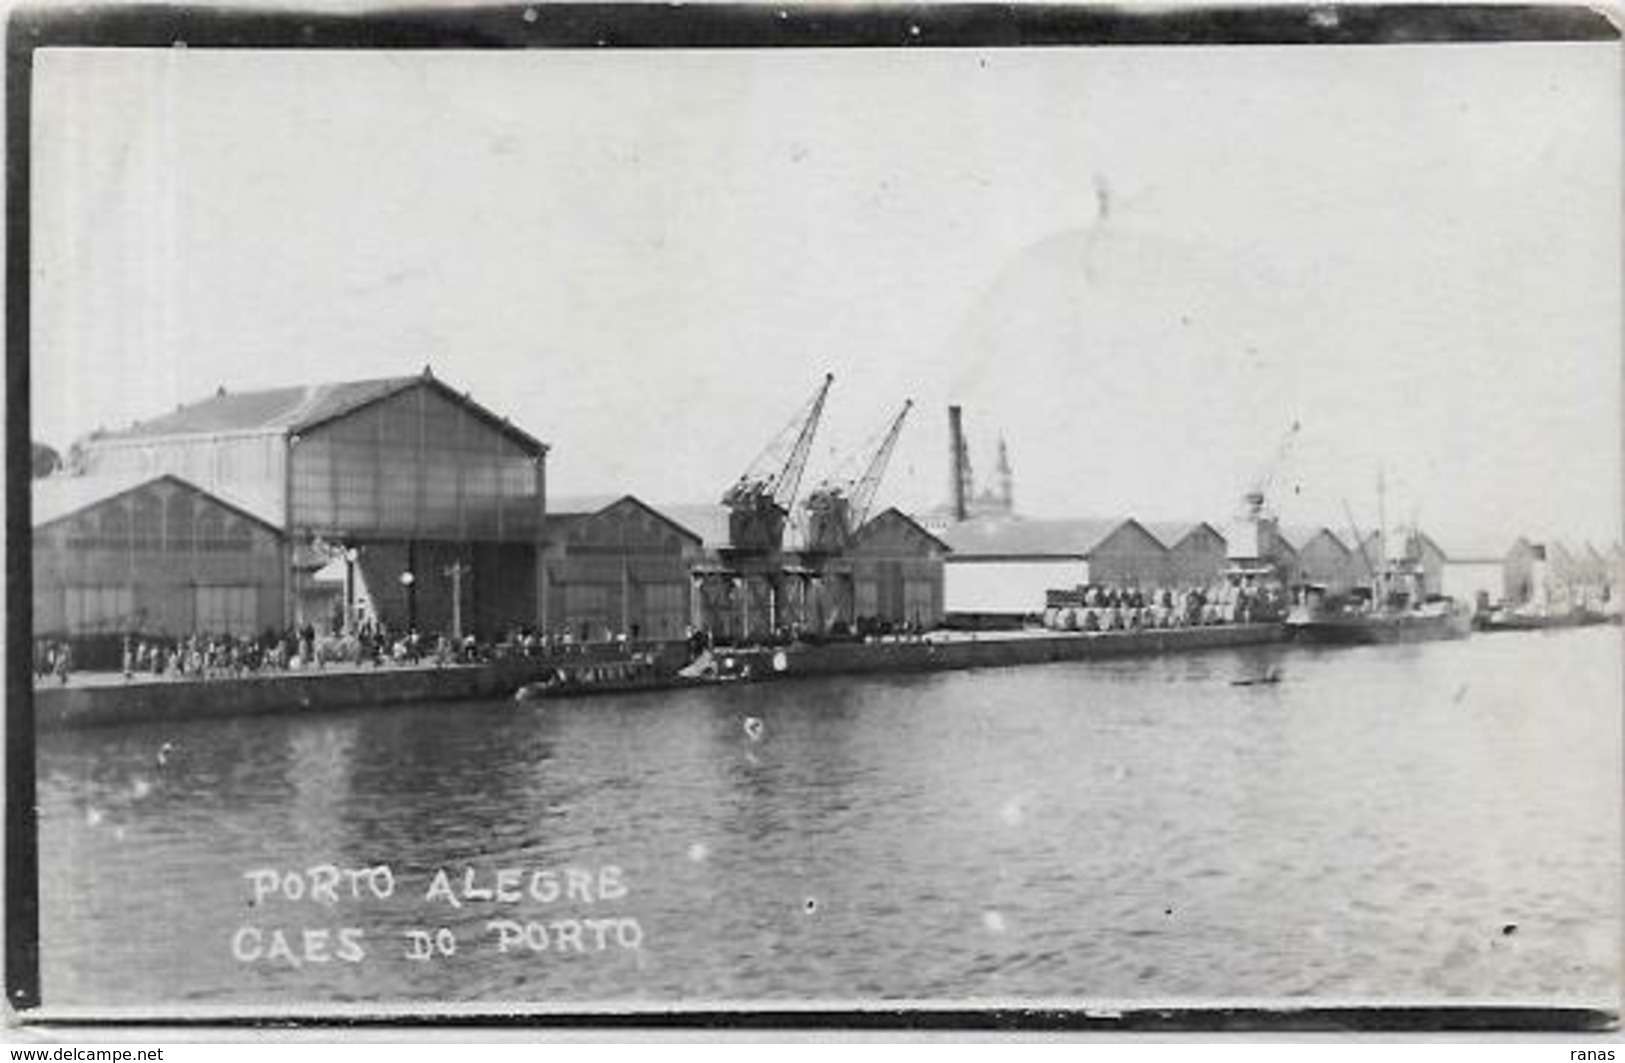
(956, 463)
(1007, 484)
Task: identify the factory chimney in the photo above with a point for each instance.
(958, 466)
(956, 462)
(1006, 479)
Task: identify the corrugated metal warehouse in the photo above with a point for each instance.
(1322, 558)
(619, 568)
(151, 554)
(1004, 565)
(897, 571)
(423, 493)
(1196, 553)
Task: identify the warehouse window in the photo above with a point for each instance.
(918, 596)
(147, 522)
(211, 529)
(227, 610)
(665, 610)
(239, 538)
(866, 598)
(98, 608)
(82, 534)
(178, 520)
(588, 600)
(114, 530)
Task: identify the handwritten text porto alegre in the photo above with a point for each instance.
(531, 911)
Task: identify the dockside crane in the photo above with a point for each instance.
(1255, 497)
(837, 509)
(764, 496)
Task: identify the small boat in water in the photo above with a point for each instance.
(1526, 619)
(642, 672)
(1270, 677)
(598, 677)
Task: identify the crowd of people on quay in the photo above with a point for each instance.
(204, 655)
(220, 655)
(370, 644)
(1096, 607)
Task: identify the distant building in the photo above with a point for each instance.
(137, 553)
(431, 505)
(1474, 572)
(1579, 579)
(1322, 558)
(1004, 566)
(1523, 573)
(621, 567)
(891, 572)
(1420, 549)
(898, 571)
(1196, 554)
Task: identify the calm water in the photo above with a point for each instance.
(1369, 828)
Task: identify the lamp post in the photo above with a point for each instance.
(407, 582)
(457, 570)
(351, 556)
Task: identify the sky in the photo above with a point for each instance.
(1140, 266)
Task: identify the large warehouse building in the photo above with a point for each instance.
(432, 506)
(896, 569)
(150, 553)
(619, 567)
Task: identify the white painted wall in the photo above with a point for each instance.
(1008, 586)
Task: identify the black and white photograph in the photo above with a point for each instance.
(560, 509)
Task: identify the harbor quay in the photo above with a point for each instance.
(109, 699)
(397, 518)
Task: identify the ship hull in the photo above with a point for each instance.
(1371, 630)
(1545, 622)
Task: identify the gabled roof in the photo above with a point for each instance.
(59, 497)
(1299, 536)
(1012, 537)
(707, 520)
(1426, 540)
(1171, 533)
(565, 506)
(579, 508)
(1525, 546)
(894, 514)
(658, 514)
(292, 410)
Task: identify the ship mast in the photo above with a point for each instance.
(1382, 538)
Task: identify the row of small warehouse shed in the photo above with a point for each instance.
(1005, 566)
